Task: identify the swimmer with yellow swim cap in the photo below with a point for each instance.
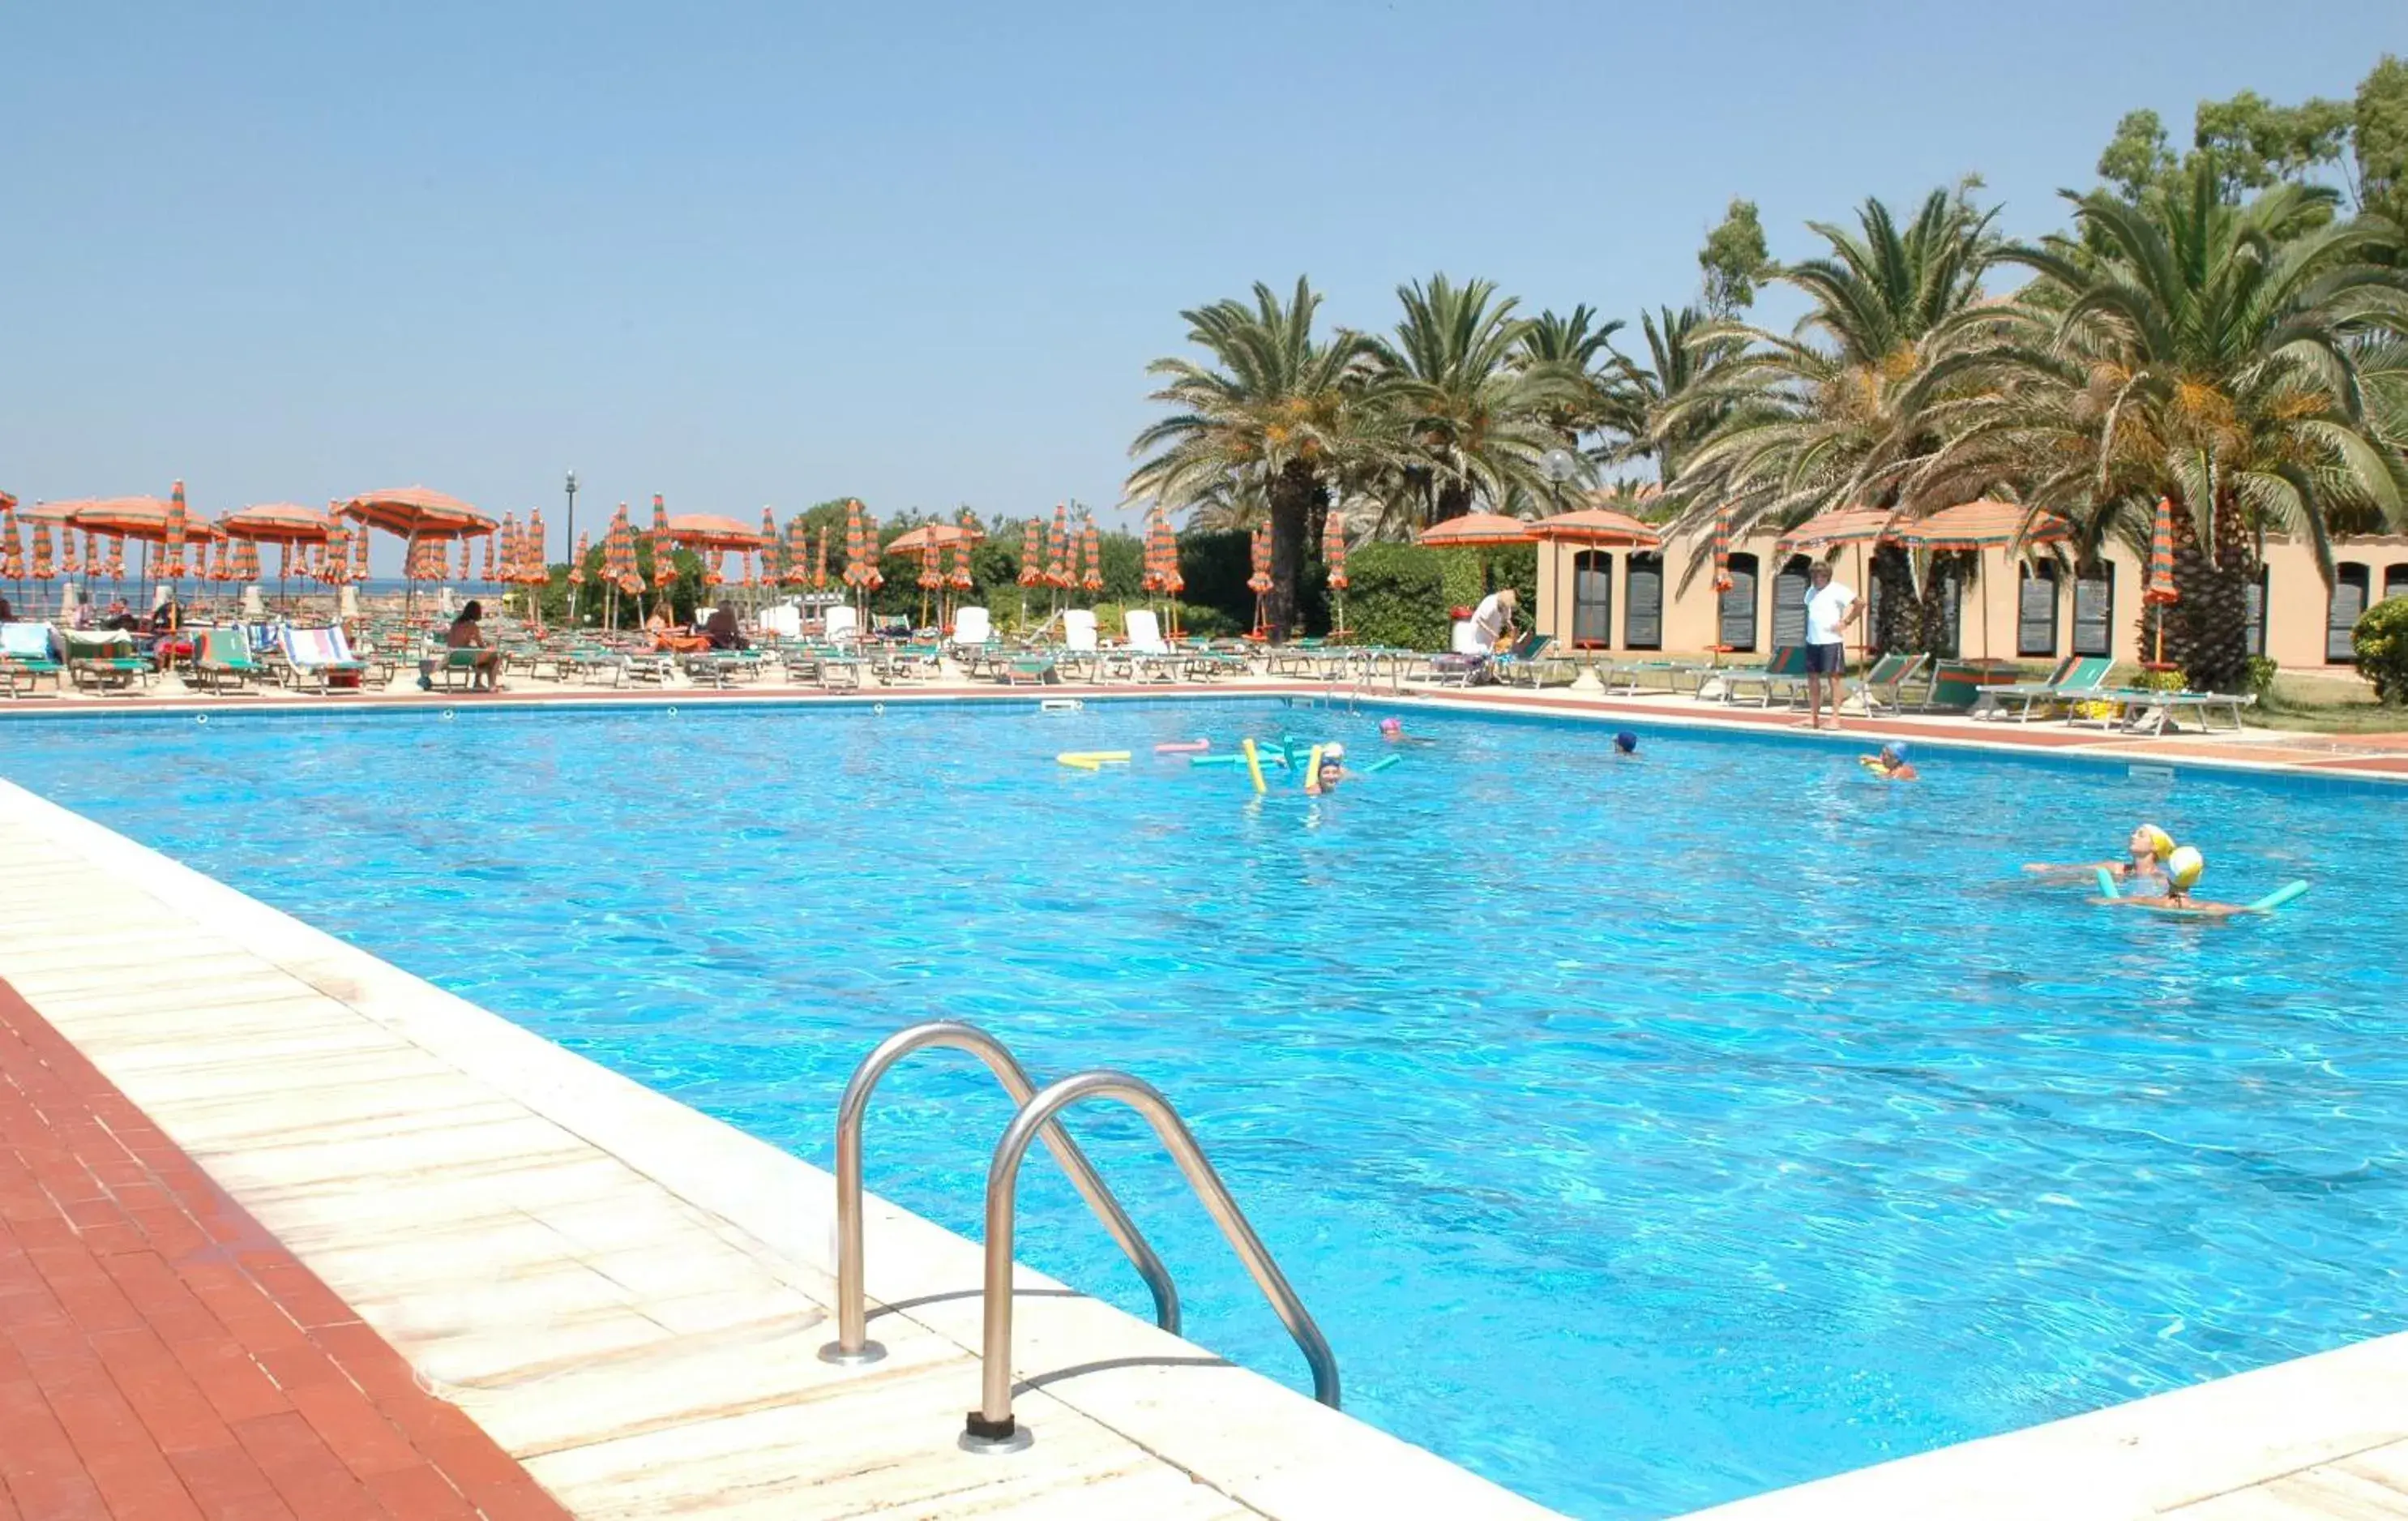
(2145, 854)
(2183, 867)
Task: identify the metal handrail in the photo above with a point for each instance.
(991, 1427)
(853, 1343)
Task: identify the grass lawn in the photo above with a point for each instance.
(2318, 706)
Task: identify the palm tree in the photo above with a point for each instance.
(1579, 350)
(1678, 360)
(1277, 416)
(2239, 360)
(1473, 421)
(1852, 409)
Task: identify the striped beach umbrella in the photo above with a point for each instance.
(486, 555)
(1723, 581)
(360, 555)
(1059, 548)
(535, 563)
(664, 555)
(178, 525)
(798, 551)
(246, 560)
(67, 565)
(1032, 553)
(41, 569)
(959, 578)
(116, 556)
(1333, 548)
(873, 575)
(1150, 581)
(854, 549)
(819, 562)
(339, 555)
(2160, 591)
(1093, 539)
(577, 565)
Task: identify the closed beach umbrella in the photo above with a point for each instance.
(819, 561)
(798, 551)
(854, 554)
(2160, 593)
(873, 576)
(1032, 553)
(959, 577)
(931, 577)
(1150, 581)
(246, 560)
(1333, 554)
(42, 569)
(1059, 548)
(1723, 581)
(485, 554)
(12, 549)
(68, 554)
(116, 556)
(1092, 540)
(179, 523)
(339, 556)
(577, 565)
(1983, 525)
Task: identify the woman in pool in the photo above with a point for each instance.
(1393, 730)
(2183, 868)
(1333, 770)
(1891, 765)
(2143, 865)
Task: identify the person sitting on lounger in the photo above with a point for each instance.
(1891, 764)
(721, 630)
(666, 636)
(2143, 865)
(485, 668)
(8, 614)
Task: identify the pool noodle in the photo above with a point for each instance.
(1216, 760)
(1382, 764)
(2107, 884)
(1083, 757)
(1313, 771)
(1254, 767)
(2279, 896)
(1183, 746)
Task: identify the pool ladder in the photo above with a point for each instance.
(991, 1428)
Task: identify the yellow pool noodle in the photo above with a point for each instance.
(1091, 758)
(1313, 771)
(1254, 766)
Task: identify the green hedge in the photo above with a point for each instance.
(1402, 594)
(2380, 641)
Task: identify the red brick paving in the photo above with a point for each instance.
(161, 1358)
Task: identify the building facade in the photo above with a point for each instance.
(1636, 603)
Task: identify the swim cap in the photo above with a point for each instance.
(1626, 742)
(1332, 753)
(1389, 725)
(2185, 867)
(1897, 748)
(2161, 844)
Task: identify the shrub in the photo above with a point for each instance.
(2380, 641)
(2262, 672)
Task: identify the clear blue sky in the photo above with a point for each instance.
(748, 254)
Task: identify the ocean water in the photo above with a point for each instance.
(1642, 1134)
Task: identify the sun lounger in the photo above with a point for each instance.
(2133, 711)
(222, 661)
(313, 659)
(1527, 659)
(1882, 689)
(1955, 687)
(2076, 678)
(1783, 676)
(973, 628)
(27, 655)
(104, 660)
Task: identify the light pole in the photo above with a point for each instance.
(572, 546)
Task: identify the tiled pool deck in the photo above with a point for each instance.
(626, 1298)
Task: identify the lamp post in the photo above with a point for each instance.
(571, 542)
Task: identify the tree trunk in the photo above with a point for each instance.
(1454, 500)
(2207, 632)
(1295, 494)
(1898, 624)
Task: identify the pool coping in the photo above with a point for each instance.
(1128, 1418)
(2333, 1423)
(2382, 767)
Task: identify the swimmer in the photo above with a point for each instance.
(1626, 746)
(1333, 770)
(2145, 853)
(1393, 730)
(2183, 868)
(1891, 765)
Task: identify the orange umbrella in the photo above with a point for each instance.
(1723, 581)
(1980, 525)
(577, 565)
(246, 560)
(68, 555)
(279, 522)
(873, 575)
(706, 532)
(819, 563)
(1595, 526)
(664, 563)
(959, 578)
(1057, 568)
(798, 551)
(339, 555)
(1092, 540)
(1479, 529)
(1033, 553)
(419, 517)
(856, 553)
(42, 568)
(12, 550)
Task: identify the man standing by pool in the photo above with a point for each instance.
(1831, 608)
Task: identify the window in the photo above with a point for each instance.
(2395, 581)
(1735, 628)
(2093, 610)
(1592, 599)
(2256, 614)
(1642, 617)
(2350, 584)
(2036, 610)
(1790, 603)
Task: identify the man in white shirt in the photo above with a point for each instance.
(1831, 608)
(1493, 618)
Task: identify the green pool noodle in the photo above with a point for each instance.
(2107, 883)
(1382, 764)
(2279, 896)
(1216, 760)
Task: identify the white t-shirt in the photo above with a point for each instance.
(1824, 610)
(1488, 620)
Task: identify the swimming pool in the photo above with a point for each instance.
(1642, 1134)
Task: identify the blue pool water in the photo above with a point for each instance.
(1642, 1134)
